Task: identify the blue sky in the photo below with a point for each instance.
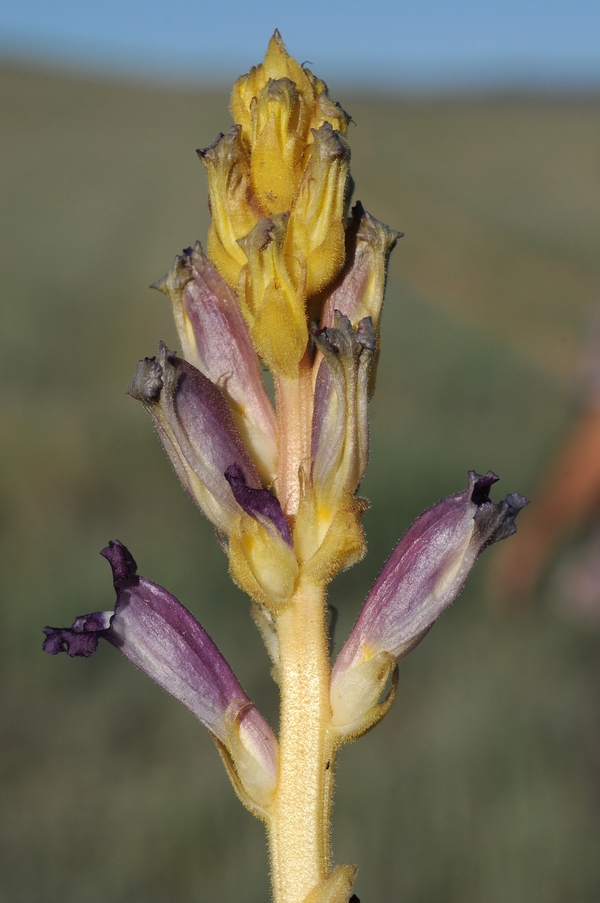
(415, 43)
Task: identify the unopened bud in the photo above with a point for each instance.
(340, 429)
(271, 303)
(277, 64)
(279, 124)
(360, 288)
(316, 232)
(233, 210)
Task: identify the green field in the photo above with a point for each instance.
(484, 782)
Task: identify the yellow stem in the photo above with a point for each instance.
(294, 420)
(300, 816)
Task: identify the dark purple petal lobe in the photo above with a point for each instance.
(258, 503)
(81, 639)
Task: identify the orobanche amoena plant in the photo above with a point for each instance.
(292, 280)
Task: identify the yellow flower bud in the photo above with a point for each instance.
(234, 211)
(269, 300)
(316, 235)
(277, 64)
(279, 125)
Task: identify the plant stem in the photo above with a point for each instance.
(300, 819)
(294, 419)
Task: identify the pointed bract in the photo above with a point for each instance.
(234, 212)
(280, 119)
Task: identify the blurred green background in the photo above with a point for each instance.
(484, 781)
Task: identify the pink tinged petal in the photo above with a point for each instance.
(155, 632)
(340, 428)
(197, 430)
(423, 575)
(359, 289)
(215, 338)
(259, 504)
(426, 571)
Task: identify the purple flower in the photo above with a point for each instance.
(423, 575)
(154, 631)
(340, 428)
(358, 291)
(196, 427)
(215, 338)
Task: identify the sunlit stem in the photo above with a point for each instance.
(300, 822)
(294, 417)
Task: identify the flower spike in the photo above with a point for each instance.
(422, 577)
(154, 631)
(292, 283)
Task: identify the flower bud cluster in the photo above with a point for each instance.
(278, 196)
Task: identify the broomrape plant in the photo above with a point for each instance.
(292, 280)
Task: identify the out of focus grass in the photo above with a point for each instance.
(483, 782)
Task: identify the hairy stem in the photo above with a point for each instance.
(294, 418)
(300, 819)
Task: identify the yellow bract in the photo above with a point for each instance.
(273, 307)
(261, 563)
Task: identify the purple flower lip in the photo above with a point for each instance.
(154, 631)
(258, 503)
(81, 639)
(427, 570)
